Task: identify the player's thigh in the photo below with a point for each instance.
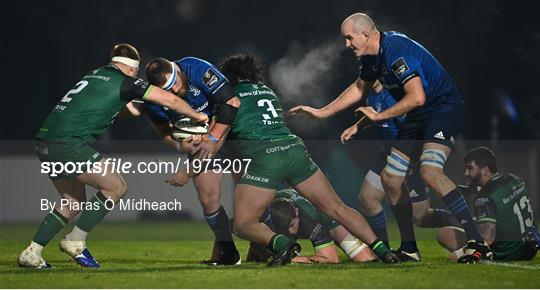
(110, 183)
(298, 165)
(250, 202)
(432, 161)
(318, 190)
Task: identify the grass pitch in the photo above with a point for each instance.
(167, 255)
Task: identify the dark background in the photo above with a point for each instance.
(491, 48)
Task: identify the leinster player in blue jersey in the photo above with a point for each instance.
(372, 191)
(202, 86)
(426, 93)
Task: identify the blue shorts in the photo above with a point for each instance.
(378, 164)
(440, 128)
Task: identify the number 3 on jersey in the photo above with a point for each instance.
(78, 87)
(264, 103)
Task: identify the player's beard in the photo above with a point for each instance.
(474, 180)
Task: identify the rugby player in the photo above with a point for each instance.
(372, 191)
(200, 84)
(503, 211)
(292, 215)
(434, 107)
(277, 155)
(82, 115)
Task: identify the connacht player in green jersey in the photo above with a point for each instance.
(503, 211)
(83, 114)
(277, 155)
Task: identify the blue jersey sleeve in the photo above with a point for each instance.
(204, 75)
(156, 113)
(403, 62)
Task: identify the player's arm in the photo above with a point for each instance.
(351, 246)
(414, 97)
(362, 123)
(228, 106)
(347, 98)
(486, 218)
(132, 109)
(324, 254)
(487, 230)
(133, 88)
(161, 97)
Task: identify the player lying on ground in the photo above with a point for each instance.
(292, 215)
(434, 107)
(277, 156)
(503, 211)
(202, 86)
(372, 192)
(82, 115)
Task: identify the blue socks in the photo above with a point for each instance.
(456, 203)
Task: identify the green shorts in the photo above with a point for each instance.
(54, 154)
(286, 162)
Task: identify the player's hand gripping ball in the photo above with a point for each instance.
(185, 128)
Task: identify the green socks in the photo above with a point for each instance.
(91, 217)
(379, 248)
(49, 227)
(278, 243)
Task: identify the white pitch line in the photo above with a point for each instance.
(512, 265)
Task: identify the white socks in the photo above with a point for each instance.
(76, 235)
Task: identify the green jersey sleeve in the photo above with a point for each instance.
(133, 88)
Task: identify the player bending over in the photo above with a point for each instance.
(292, 215)
(83, 114)
(503, 211)
(277, 155)
(372, 192)
(202, 86)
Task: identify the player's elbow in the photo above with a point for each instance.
(419, 100)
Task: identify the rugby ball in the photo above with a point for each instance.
(185, 127)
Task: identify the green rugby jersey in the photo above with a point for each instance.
(504, 200)
(92, 105)
(259, 121)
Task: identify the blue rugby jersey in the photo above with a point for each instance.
(204, 81)
(381, 101)
(399, 60)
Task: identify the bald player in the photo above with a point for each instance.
(434, 107)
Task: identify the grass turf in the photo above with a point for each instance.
(167, 255)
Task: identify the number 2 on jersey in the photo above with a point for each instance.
(78, 87)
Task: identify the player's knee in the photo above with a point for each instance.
(369, 203)
(209, 202)
(117, 189)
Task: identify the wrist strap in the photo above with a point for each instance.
(212, 138)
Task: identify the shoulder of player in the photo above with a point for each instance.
(396, 38)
